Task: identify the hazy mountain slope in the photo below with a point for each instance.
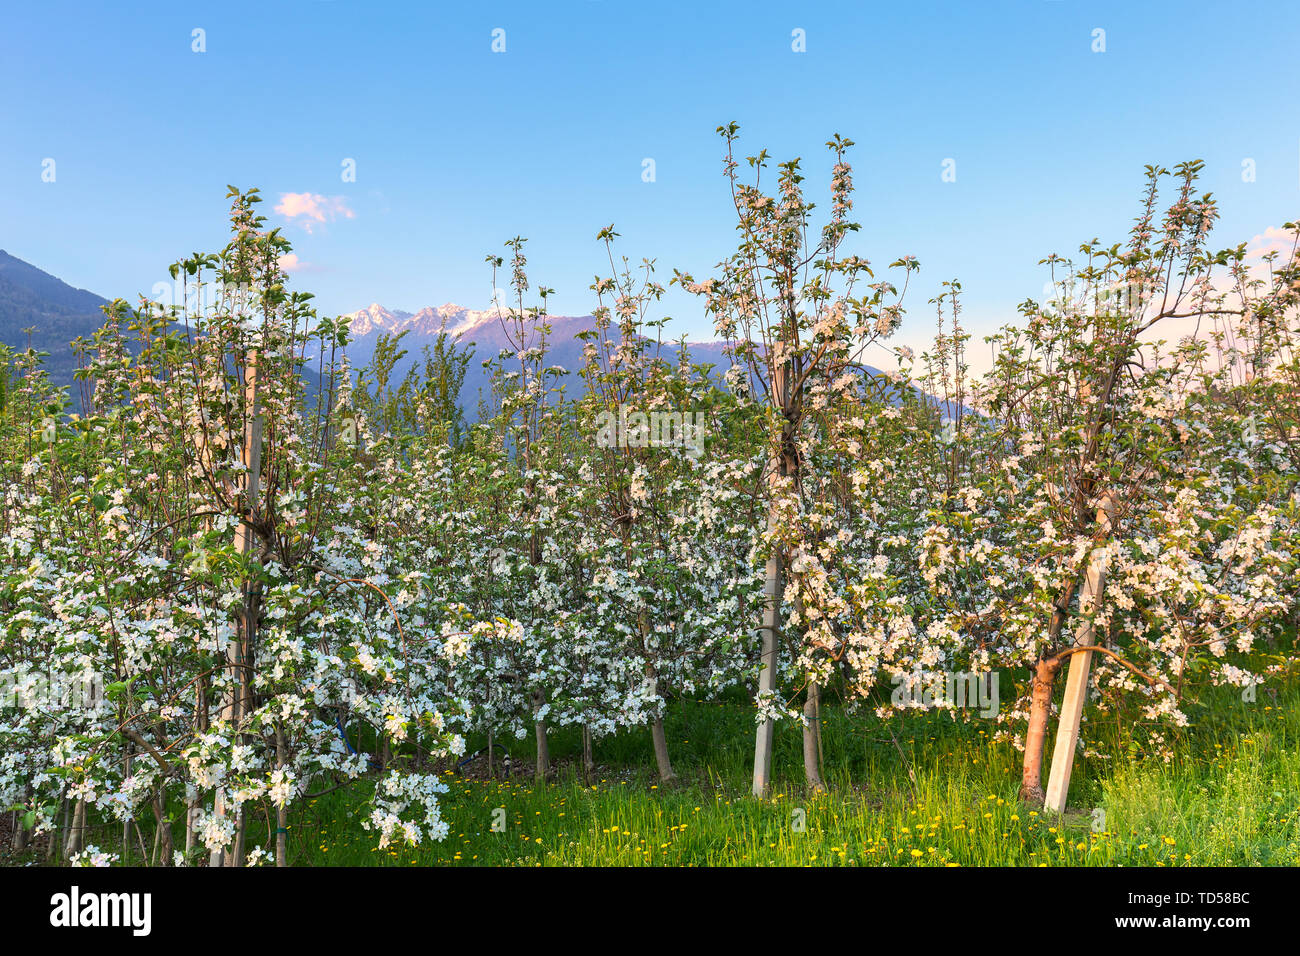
(57, 312)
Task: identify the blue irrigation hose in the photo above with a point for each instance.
(339, 724)
(468, 759)
(370, 757)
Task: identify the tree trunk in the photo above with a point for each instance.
(191, 810)
(239, 666)
(666, 774)
(773, 590)
(657, 736)
(20, 841)
(20, 835)
(50, 848)
(1040, 709)
(236, 855)
(539, 732)
(812, 707)
(588, 762)
(74, 842)
(282, 811)
(218, 812)
(126, 824)
(1040, 701)
(786, 465)
(163, 854)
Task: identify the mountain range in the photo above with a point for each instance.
(56, 313)
(482, 329)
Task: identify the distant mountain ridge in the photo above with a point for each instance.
(429, 321)
(58, 313)
(482, 328)
(55, 311)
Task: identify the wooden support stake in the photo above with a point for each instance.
(1076, 682)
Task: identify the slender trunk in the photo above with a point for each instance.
(163, 837)
(139, 836)
(785, 465)
(192, 805)
(666, 774)
(282, 811)
(543, 750)
(821, 754)
(812, 737)
(50, 848)
(539, 732)
(126, 824)
(491, 769)
(1040, 709)
(236, 856)
(74, 842)
(812, 714)
(20, 841)
(191, 811)
(219, 813)
(79, 826)
(773, 590)
(588, 763)
(239, 667)
(246, 650)
(657, 735)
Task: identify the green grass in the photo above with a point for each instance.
(1231, 796)
(917, 790)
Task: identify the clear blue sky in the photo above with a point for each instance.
(458, 148)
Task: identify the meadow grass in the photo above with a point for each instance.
(917, 790)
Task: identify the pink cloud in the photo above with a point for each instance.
(1272, 239)
(291, 263)
(308, 209)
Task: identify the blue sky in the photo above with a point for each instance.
(458, 148)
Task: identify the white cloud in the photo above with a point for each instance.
(291, 263)
(309, 209)
(1272, 239)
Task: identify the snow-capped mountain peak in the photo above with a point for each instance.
(376, 318)
(430, 320)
